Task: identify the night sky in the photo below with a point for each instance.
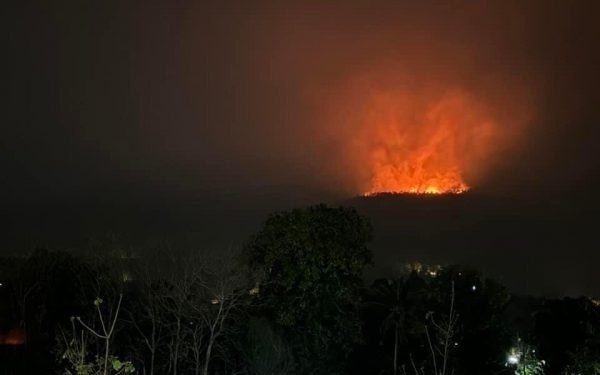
(188, 122)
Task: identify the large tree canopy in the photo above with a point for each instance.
(313, 260)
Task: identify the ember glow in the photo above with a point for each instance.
(14, 337)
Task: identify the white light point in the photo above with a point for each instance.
(513, 359)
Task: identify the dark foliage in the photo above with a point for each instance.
(296, 303)
(313, 261)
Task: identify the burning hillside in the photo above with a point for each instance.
(424, 139)
(424, 146)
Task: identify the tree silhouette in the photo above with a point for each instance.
(312, 260)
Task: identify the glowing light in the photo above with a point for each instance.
(474, 288)
(514, 356)
(254, 291)
(14, 337)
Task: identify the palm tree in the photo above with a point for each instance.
(401, 301)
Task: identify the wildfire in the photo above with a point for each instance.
(421, 146)
(404, 130)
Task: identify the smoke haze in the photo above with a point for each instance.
(266, 105)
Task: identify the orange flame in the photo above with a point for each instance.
(423, 147)
(412, 135)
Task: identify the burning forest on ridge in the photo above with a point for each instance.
(413, 133)
(427, 146)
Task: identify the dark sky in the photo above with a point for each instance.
(168, 119)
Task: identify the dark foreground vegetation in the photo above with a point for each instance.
(293, 301)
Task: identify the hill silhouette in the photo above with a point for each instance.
(512, 239)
